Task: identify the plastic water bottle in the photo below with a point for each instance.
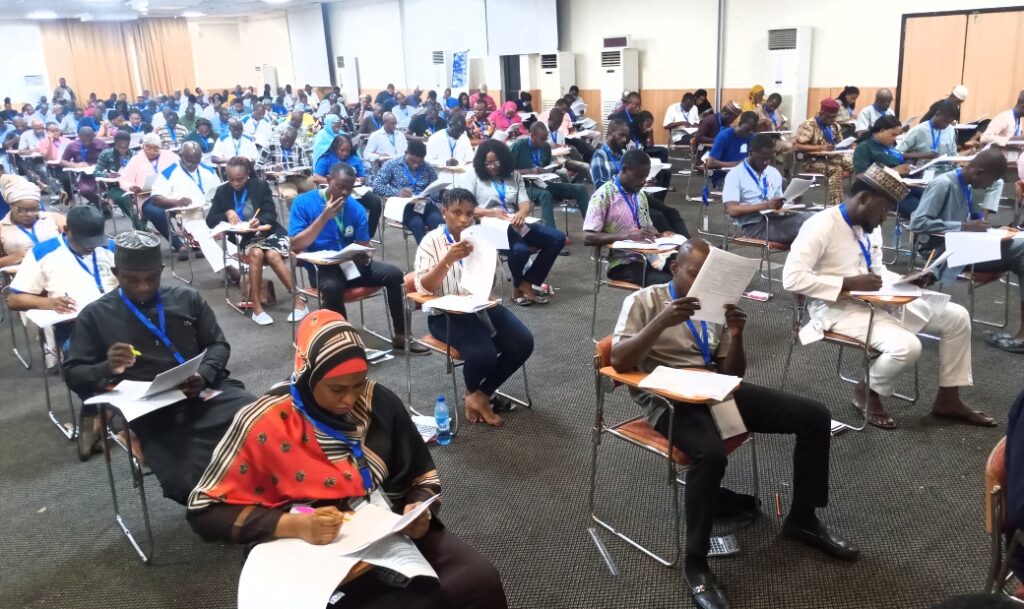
(444, 422)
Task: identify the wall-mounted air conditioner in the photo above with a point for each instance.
(620, 71)
(789, 69)
(557, 73)
(346, 76)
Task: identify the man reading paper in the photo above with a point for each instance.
(655, 329)
(140, 330)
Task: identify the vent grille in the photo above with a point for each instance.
(782, 40)
(611, 59)
(549, 62)
(339, 62)
(437, 57)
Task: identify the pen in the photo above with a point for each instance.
(930, 256)
(256, 213)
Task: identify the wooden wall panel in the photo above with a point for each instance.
(592, 97)
(933, 57)
(993, 63)
(657, 101)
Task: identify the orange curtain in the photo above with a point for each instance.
(164, 52)
(93, 57)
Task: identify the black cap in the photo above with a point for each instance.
(87, 227)
(137, 251)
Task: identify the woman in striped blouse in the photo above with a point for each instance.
(493, 342)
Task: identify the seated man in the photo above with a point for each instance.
(840, 250)
(769, 117)
(754, 186)
(141, 330)
(710, 125)
(182, 184)
(387, 142)
(172, 133)
(139, 175)
(867, 117)
(258, 126)
(426, 124)
(819, 134)
(478, 125)
(82, 153)
(235, 143)
(679, 117)
(949, 204)
(286, 155)
(408, 177)
(402, 110)
(618, 211)
(136, 125)
(450, 146)
(532, 155)
(331, 220)
(730, 146)
(931, 139)
(654, 329)
(1007, 127)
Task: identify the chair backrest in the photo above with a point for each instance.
(603, 353)
(995, 476)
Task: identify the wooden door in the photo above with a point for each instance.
(933, 59)
(993, 63)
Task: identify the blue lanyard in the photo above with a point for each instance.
(240, 202)
(500, 191)
(721, 125)
(965, 188)
(198, 178)
(31, 233)
(238, 145)
(353, 445)
(160, 332)
(628, 116)
(762, 185)
(936, 135)
(865, 246)
(174, 135)
(632, 202)
(391, 138)
(1016, 123)
(880, 112)
(552, 134)
(124, 162)
(157, 162)
(287, 155)
(449, 239)
(451, 144)
(827, 132)
(376, 123)
(95, 272)
(617, 163)
(413, 179)
(535, 154)
(896, 154)
(771, 116)
(702, 339)
(137, 129)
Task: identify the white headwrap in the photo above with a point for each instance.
(17, 188)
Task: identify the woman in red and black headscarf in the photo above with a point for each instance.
(331, 440)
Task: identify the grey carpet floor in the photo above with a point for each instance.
(912, 498)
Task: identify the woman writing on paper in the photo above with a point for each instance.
(501, 193)
(246, 200)
(329, 441)
(492, 342)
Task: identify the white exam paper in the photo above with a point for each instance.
(970, 248)
(797, 187)
(292, 573)
(489, 234)
(691, 383)
(478, 268)
(721, 281)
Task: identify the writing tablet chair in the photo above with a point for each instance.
(637, 432)
(241, 305)
(176, 226)
(868, 354)
(386, 223)
(453, 359)
(696, 167)
(351, 295)
(137, 475)
(765, 247)
(69, 427)
(1005, 540)
(107, 201)
(709, 198)
(601, 278)
(13, 320)
(975, 280)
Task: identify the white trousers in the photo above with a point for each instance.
(900, 348)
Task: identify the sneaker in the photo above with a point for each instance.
(182, 254)
(262, 318)
(298, 314)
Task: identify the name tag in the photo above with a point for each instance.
(743, 148)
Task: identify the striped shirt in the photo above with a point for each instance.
(429, 254)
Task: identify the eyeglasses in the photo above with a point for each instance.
(492, 164)
(26, 210)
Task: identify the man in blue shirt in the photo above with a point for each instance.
(730, 147)
(332, 220)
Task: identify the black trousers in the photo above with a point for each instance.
(585, 149)
(371, 202)
(763, 410)
(332, 285)
(665, 217)
(633, 272)
(466, 580)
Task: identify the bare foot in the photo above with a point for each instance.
(478, 408)
(949, 406)
(877, 414)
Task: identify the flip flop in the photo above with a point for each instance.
(971, 417)
(1005, 341)
(523, 301)
(880, 421)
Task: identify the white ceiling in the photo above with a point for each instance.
(112, 10)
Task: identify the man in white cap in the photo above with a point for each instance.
(140, 173)
(956, 97)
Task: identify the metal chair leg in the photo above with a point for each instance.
(68, 429)
(26, 359)
(107, 434)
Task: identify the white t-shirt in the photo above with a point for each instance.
(675, 113)
(403, 115)
(176, 183)
(259, 130)
(380, 143)
(441, 148)
(227, 147)
(52, 269)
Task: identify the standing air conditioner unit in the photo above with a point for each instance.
(789, 65)
(620, 71)
(266, 75)
(557, 74)
(440, 71)
(346, 76)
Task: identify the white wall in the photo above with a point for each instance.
(22, 56)
(429, 29)
(216, 46)
(309, 57)
(370, 30)
(265, 40)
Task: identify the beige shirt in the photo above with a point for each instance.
(1001, 130)
(14, 240)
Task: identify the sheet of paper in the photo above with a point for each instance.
(45, 318)
(208, 244)
(640, 245)
(478, 269)
(170, 379)
(371, 523)
(394, 208)
(653, 189)
(797, 187)
(488, 235)
(935, 263)
(454, 303)
(334, 255)
(890, 290)
(560, 151)
(126, 399)
(656, 168)
(540, 177)
(910, 121)
(969, 248)
(727, 419)
(400, 554)
(721, 281)
(691, 383)
(359, 191)
(846, 143)
(292, 573)
(436, 186)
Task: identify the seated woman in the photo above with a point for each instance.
(493, 342)
(244, 198)
(880, 147)
(501, 193)
(26, 225)
(754, 99)
(507, 117)
(342, 151)
(349, 440)
(407, 177)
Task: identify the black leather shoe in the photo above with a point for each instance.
(706, 591)
(820, 537)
